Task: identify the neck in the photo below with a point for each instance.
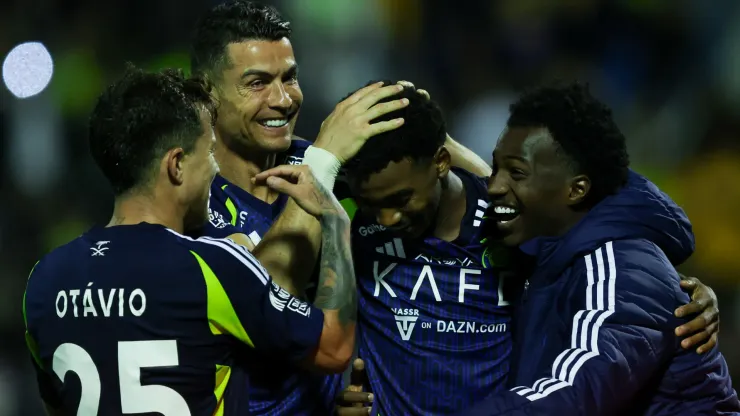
(569, 221)
(239, 167)
(138, 208)
(452, 206)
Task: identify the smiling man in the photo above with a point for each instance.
(596, 322)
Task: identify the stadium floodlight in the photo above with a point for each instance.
(27, 69)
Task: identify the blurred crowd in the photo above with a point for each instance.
(670, 69)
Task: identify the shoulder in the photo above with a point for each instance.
(633, 275)
(222, 257)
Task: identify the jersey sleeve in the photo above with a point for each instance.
(222, 215)
(244, 302)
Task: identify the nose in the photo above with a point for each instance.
(388, 217)
(497, 186)
(279, 97)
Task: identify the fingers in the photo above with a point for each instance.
(347, 397)
(353, 411)
(688, 284)
(694, 340)
(708, 345)
(285, 171)
(374, 96)
(384, 126)
(384, 108)
(694, 307)
(359, 94)
(358, 376)
(407, 84)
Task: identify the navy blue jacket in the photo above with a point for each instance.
(596, 325)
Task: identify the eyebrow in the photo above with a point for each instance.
(264, 74)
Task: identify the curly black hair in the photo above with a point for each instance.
(418, 139)
(232, 22)
(584, 129)
(140, 117)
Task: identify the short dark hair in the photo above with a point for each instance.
(140, 117)
(584, 129)
(418, 139)
(232, 22)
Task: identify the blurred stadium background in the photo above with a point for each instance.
(669, 68)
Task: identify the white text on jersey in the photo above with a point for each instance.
(132, 303)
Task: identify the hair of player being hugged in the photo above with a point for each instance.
(399, 176)
(152, 134)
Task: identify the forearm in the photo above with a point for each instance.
(337, 288)
(290, 248)
(464, 158)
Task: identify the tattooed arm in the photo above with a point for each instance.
(336, 294)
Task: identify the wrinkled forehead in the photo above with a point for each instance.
(267, 56)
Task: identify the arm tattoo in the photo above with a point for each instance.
(337, 288)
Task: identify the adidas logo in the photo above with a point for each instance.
(392, 248)
(480, 212)
(405, 321)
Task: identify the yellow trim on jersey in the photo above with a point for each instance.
(230, 207)
(30, 342)
(221, 315)
(223, 374)
(350, 206)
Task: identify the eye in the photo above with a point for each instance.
(517, 174)
(257, 84)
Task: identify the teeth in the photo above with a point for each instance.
(275, 122)
(504, 210)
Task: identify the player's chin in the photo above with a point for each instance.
(272, 140)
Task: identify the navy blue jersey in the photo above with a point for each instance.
(434, 327)
(276, 388)
(141, 320)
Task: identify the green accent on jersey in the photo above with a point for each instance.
(223, 374)
(495, 256)
(350, 206)
(25, 320)
(30, 342)
(231, 207)
(221, 315)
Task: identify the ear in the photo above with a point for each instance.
(579, 187)
(174, 163)
(442, 161)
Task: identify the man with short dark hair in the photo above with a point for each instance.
(244, 49)
(434, 323)
(595, 327)
(151, 321)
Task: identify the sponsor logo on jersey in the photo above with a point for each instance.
(279, 297)
(294, 160)
(371, 229)
(281, 300)
(392, 248)
(460, 262)
(405, 321)
(216, 219)
(99, 249)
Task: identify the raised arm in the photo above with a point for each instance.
(290, 249)
(336, 294)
